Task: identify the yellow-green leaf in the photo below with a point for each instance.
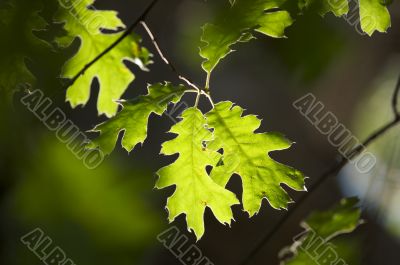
(246, 154)
(195, 190)
(133, 118)
(111, 72)
(337, 7)
(374, 16)
(237, 24)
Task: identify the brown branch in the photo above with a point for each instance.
(333, 170)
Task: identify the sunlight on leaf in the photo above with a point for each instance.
(337, 7)
(246, 154)
(133, 118)
(237, 25)
(195, 190)
(374, 16)
(111, 72)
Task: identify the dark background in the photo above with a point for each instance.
(112, 215)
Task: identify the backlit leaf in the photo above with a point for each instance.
(195, 190)
(237, 25)
(111, 72)
(374, 16)
(337, 7)
(246, 154)
(133, 118)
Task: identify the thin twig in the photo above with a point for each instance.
(126, 33)
(166, 61)
(191, 91)
(333, 170)
(209, 97)
(395, 99)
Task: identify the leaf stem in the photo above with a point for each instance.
(191, 91)
(207, 85)
(168, 62)
(208, 96)
(197, 99)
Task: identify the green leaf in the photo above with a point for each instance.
(320, 229)
(337, 7)
(237, 24)
(134, 116)
(342, 218)
(18, 21)
(374, 16)
(246, 154)
(195, 190)
(111, 72)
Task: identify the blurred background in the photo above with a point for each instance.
(112, 214)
